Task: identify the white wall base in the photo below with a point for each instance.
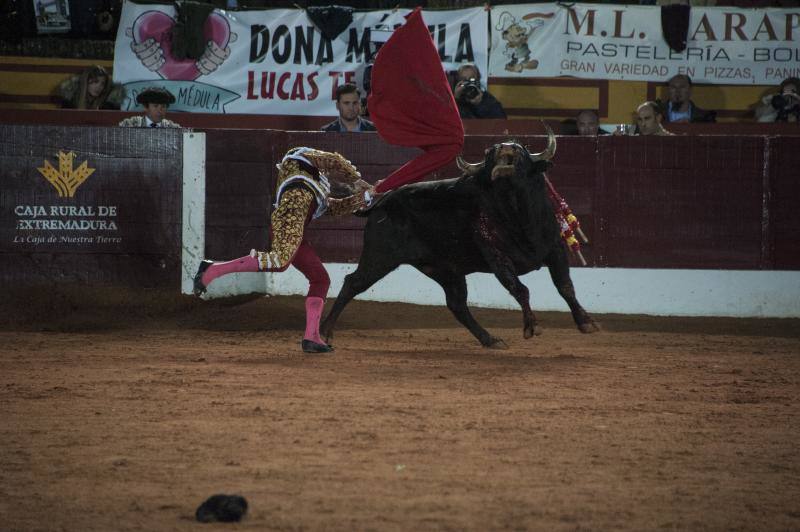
(735, 293)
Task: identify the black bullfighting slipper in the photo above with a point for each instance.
(314, 347)
(223, 508)
(199, 287)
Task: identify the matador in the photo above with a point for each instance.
(412, 106)
(302, 194)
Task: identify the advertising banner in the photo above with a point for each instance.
(90, 204)
(623, 42)
(274, 61)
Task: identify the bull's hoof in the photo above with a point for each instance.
(495, 343)
(589, 327)
(531, 330)
(325, 332)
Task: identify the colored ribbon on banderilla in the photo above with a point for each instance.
(567, 221)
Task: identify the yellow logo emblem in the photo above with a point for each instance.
(66, 180)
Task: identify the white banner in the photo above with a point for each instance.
(622, 42)
(273, 61)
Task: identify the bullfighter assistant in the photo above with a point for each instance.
(302, 194)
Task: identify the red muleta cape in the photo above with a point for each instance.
(411, 102)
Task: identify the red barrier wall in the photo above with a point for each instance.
(688, 201)
(645, 202)
(682, 202)
(781, 203)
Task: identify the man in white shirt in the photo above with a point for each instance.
(155, 101)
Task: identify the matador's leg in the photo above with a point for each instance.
(309, 264)
(288, 247)
(288, 224)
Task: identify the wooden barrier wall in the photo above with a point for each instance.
(689, 201)
(645, 202)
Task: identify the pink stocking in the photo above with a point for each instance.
(248, 263)
(314, 307)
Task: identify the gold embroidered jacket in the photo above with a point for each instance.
(310, 168)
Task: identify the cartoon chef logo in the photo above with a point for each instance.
(516, 34)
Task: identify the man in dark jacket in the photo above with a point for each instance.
(680, 107)
(472, 100)
(348, 103)
(588, 123)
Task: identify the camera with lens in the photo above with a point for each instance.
(781, 101)
(471, 90)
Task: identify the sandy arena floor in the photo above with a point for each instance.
(117, 419)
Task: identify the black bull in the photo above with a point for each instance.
(496, 218)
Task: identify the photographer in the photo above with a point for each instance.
(781, 107)
(472, 100)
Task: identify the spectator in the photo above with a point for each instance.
(472, 100)
(588, 123)
(348, 103)
(91, 89)
(783, 106)
(648, 119)
(680, 107)
(155, 101)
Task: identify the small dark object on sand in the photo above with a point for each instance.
(225, 508)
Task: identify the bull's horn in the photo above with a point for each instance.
(469, 168)
(550, 151)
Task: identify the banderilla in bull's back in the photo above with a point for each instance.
(567, 221)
